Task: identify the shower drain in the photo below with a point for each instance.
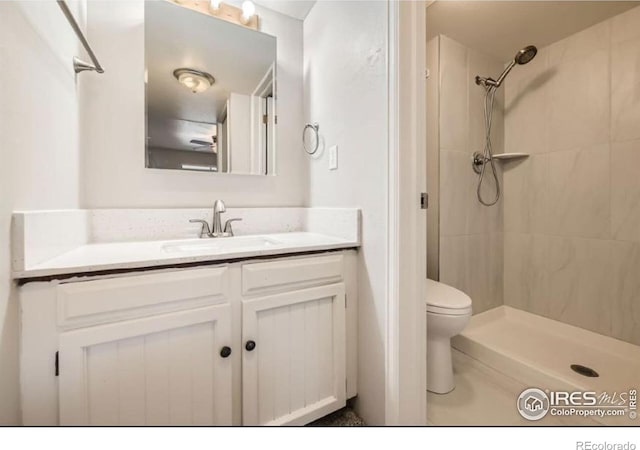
(584, 370)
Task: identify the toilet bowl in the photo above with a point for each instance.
(448, 312)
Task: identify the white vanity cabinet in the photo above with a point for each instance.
(263, 342)
(137, 349)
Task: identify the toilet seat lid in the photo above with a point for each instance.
(442, 298)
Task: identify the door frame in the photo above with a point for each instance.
(406, 361)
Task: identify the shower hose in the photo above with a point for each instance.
(488, 151)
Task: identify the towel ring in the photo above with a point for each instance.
(315, 127)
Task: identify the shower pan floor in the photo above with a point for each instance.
(539, 352)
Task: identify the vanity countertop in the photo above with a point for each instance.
(100, 257)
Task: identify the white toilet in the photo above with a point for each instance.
(448, 312)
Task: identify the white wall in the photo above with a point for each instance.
(345, 76)
(112, 139)
(38, 145)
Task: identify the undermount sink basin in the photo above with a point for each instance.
(221, 244)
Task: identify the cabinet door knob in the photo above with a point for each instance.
(225, 352)
(250, 345)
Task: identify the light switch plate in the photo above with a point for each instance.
(333, 157)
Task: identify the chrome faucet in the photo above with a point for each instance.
(216, 229)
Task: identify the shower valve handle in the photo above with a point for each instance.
(479, 160)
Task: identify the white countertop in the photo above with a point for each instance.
(133, 255)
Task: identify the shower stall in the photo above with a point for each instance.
(534, 187)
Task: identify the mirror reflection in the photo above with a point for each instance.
(210, 93)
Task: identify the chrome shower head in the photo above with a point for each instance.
(523, 56)
(526, 55)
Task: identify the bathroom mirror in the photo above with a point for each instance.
(210, 93)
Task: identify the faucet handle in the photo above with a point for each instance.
(228, 230)
(205, 226)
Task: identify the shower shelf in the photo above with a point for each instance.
(510, 156)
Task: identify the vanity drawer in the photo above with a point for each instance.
(289, 274)
(92, 302)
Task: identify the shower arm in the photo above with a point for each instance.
(511, 65)
(490, 82)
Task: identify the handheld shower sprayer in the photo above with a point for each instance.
(480, 160)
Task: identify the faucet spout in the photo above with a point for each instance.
(218, 207)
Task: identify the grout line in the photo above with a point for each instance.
(610, 148)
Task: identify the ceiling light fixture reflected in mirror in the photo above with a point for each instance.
(194, 80)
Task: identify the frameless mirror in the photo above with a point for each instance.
(210, 93)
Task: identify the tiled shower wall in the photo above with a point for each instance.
(471, 253)
(572, 209)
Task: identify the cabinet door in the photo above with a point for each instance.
(160, 370)
(296, 371)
